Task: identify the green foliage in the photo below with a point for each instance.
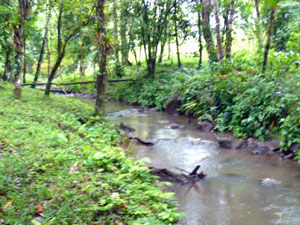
(148, 91)
(235, 95)
(55, 169)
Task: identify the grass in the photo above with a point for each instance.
(60, 165)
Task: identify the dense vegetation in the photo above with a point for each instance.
(239, 99)
(235, 62)
(56, 170)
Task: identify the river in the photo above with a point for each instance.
(240, 188)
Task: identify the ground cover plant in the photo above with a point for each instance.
(61, 165)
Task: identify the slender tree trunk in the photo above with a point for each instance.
(176, 34)
(8, 69)
(18, 41)
(101, 81)
(162, 47)
(267, 48)
(200, 39)
(218, 31)
(116, 33)
(52, 74)
(123, 33)
(60, 52)
(228, 42)
(27, 9)
(48, 57)
(38, 68)
(210, 48)
(24, 58)
(258, 30)
(169, 48)
(81, 55)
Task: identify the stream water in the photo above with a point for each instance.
(240, 188)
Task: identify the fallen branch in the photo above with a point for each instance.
(167, 175)
(148, 143)
(79, 82)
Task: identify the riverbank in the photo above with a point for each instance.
(243, 102)
(61, 165)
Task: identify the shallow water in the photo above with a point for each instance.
(240, 188)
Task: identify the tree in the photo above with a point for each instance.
(103, 48)
(124, 20)
(199, 24)
(271, 5)
(18, 42)
(6, 39)
(152, 19)
(218, 31)
(268, 44)
(257, 24)
(40, 61)
(63, 36)
(228, 30)
(210, 47)
(176, 33)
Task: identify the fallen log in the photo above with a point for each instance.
(167, 175)
(79, 82)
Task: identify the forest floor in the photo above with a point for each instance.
(61, 165)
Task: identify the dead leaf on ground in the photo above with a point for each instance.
(39, 208)
(7, 205)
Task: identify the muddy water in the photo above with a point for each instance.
(240, 188)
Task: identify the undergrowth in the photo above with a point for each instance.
(60, 165)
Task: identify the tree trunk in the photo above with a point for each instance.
(218, 31)
(267, 48)
(24, 58)
(229, 23)
(101, 81)
(81, 55)
(38, 68)
(162, 47)
(18, 41)
(116, 33)
(169, 48)
(258, 30)
(8, 69)
(200, 39)
(48, 57)
(207, 32)
(124, 30)
(60, 52)
(176, 34)
(52, 74)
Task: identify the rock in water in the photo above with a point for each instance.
(176, 126)
(205, 125)
(269, 182)
(173, 103)
(225, 142)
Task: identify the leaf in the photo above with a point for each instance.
(7, 205)
(39, 208)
